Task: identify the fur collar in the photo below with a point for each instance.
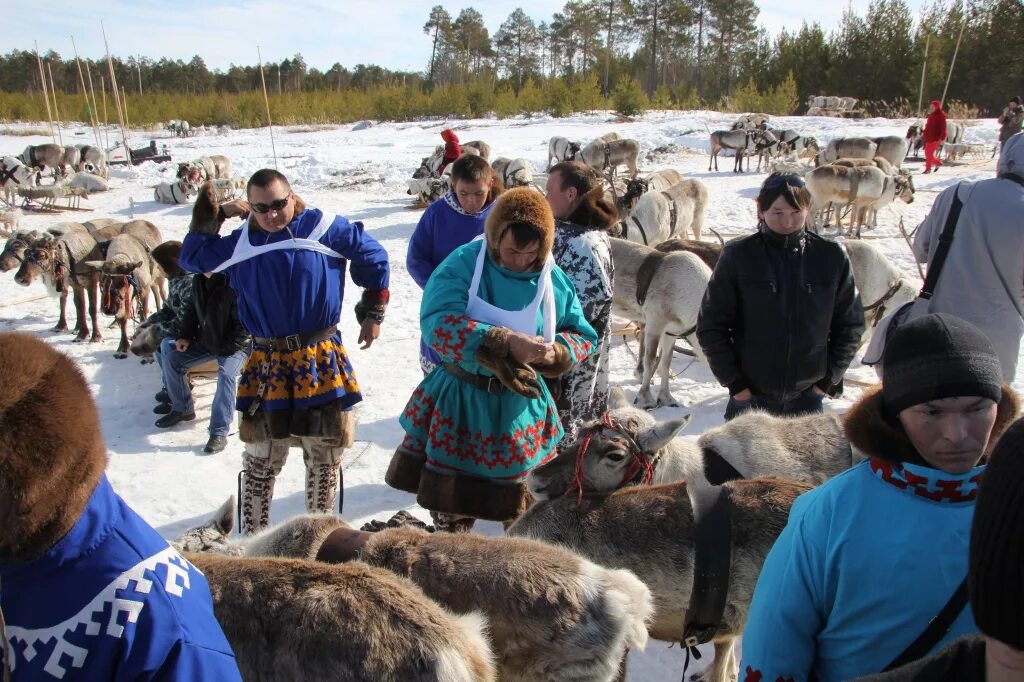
(876, 435)
(594, 211)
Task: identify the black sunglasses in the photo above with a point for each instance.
(776, 181)
(272, 206)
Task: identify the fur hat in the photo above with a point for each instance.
(1015, 99)
(166, 256)
(51, 447)
(996, 556)
(521, 205)
(938, 356)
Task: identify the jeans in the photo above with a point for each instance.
(808, 403)
(176, 364)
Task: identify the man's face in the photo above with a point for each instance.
(561, 200)
(279, 203)
(1014, 105)
(515, 257)
(951, 434)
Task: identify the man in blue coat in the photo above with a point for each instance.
(287, 264)
(88, 590)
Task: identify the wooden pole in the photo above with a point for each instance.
(95, 111)
(106, 124)
(924, 65)
(46, 97)
(56, 112)
(113, 91)
(124, 108)
(266, 102)
(952, 62)
(85, 93)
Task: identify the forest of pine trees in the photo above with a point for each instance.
(627, 55)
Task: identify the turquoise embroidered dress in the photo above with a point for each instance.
(460, 429)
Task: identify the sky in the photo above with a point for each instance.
(222, 32)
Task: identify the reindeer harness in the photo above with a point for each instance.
(58, 269)
(128, 287)
(879, 305)
(641, 464)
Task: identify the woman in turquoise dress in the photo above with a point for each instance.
(502, 317)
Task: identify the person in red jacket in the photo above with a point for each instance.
(934, 135)
(452, 150)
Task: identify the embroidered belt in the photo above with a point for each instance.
(295, 341)
(488, 384)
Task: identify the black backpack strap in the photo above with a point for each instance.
(937, 628)
(711, 565)
(945, 240)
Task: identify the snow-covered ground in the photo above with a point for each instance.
(361, 174)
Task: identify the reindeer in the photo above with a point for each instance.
(290, 619)
(657, 181)
(862, 187)
(883, 287)
(128, 275)
(552, 615)
(14, 174)
(177, 192)
(915, 138)
(561, 149)
(809, 448)
(892, 148)
(204, 168)
(92, 160)
(57, 258)
(513, 172)
(743, 142)
(602, 155)
(14, 250)
(651, 531)
(662, 215)
(43, 156)
(479, 147)
(664, 291)
(847, 148)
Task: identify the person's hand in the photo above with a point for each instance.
(235, 208)
(817, 391)
(368, 333)
(527, 349)
(744, 395)
(181, 345)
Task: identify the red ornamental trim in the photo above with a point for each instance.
(948, 490)
(444, 344)
(753, 675)
(579, 346)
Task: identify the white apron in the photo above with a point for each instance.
(245, 249)
(524, 320)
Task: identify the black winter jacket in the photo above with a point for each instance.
(212, 319)
(781, 315)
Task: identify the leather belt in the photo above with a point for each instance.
(488, 384)
(294, 341)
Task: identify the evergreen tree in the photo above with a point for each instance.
(732, 26)
(516, 45)
(440, 24)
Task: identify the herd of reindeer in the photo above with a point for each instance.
(597, 565)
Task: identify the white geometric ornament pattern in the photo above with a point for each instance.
(134, 579)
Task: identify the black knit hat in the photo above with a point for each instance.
(938, 356)
(1015, 99)
(995, 573)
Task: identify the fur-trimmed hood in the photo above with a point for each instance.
(166, 256)
(872, 432)
(594, 210)
(52, 453)
(523, 205)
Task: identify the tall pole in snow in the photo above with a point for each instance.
(952, 62)
(924, 65)
(46, 97)
(266, 102)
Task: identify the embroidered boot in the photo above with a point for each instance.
(256, 492)
(322, 487)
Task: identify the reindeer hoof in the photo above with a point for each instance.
(96, 338)
(666, 399)
(60, 327)
(645, 401)
(120, 355)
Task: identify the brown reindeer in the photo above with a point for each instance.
(58, 260)
(128, 275)
(290, 619)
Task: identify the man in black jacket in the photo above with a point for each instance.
(209, 329)
(781, 320)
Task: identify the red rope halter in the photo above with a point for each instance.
(638, 462)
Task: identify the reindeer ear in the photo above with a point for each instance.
(617, 399)
(91, 265)
(134, 266)
(661, 434)
(224, 518)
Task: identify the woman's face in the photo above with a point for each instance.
(782, 218)
(472, 196)
(517, 258)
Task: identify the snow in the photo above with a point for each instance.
(361, 172)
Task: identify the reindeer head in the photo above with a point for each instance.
(608, 454)
(117, 283)
(41, 258)
(214, 536)
(635, 189)
(574, 150)
(15, 248)
(904, 186)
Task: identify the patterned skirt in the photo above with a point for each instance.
(299, 379)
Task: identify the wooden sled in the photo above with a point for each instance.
(53, 199)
